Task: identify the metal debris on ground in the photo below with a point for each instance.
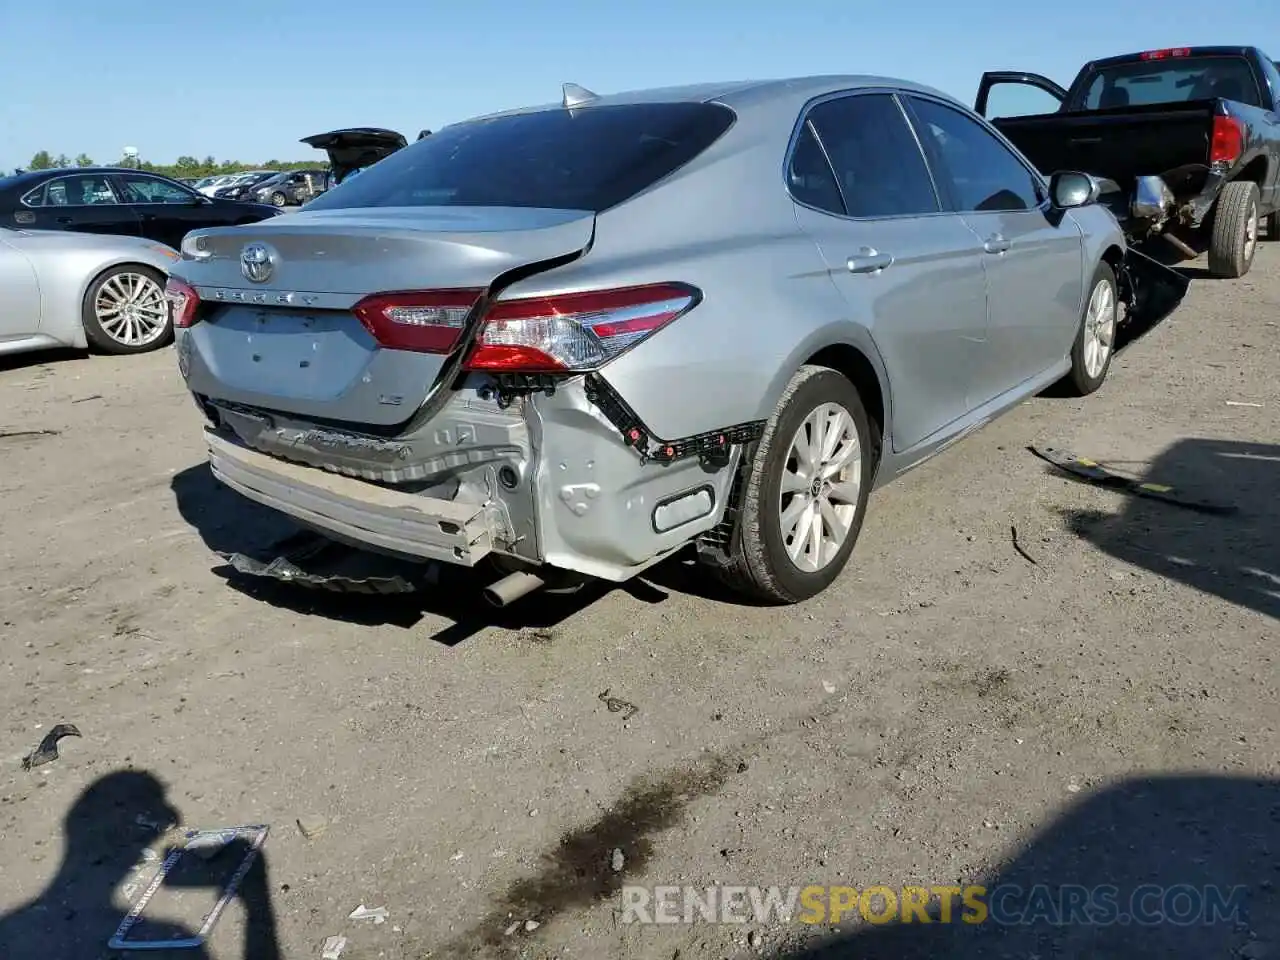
(1013, 533)
(197, 841)
(333, 947)
(48, 749)
(13, 434)
(1095, 473)
(92, 396)
(1242, 403)
(312, 826)
(617, 705)
(377, 914)
(618, 860)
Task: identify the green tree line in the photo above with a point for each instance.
(184, 167)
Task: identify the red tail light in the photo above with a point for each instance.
(426, 321)
(575, 332)
(1228, 140)
(184, 302)
(1165, 54)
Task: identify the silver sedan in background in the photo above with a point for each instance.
(576, 338)
(64, 289)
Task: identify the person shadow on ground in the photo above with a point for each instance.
(106, 831)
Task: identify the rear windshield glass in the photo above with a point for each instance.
(587, 159)
(1174, 80)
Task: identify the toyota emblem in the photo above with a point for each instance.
(256, 263)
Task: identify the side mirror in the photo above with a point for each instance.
(198, 200)
(1069, 189)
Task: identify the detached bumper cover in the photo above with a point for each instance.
(355, 510)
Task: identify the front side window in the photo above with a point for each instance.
(877, 162)
(75, 191)
(150, 190)
(982, 174)
(590, 158)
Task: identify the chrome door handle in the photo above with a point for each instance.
(869, 260)
(995, 244)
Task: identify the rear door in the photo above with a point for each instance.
(1010, 93)
(83, 202)
(1033, 260)
(166, 210)
(909, 270)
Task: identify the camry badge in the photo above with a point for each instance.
(256, 263)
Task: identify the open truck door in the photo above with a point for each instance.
(995, 78)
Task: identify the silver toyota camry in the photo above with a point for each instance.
(577, 338)
(61, 289)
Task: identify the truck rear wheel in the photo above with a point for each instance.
(1233, 237)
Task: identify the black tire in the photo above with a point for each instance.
(758, 565)
(278, 199)
(99, 339)
(1235, 216)
(1079, 381)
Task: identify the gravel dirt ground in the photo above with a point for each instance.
(1104, 712)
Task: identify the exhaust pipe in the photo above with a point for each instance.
(512, 587)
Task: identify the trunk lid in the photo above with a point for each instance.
(292, 344)
(356, 147)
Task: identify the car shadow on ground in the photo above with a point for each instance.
(229, 523)
(1233, 557)
(1180, 867)
(108, 833)
(39, 358)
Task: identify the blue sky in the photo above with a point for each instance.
(245, 80)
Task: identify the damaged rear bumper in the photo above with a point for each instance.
(355, 511)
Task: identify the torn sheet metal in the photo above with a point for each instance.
(282, 568)
(332, 566)
(201, 842)
(1094, 472)
(47, 751)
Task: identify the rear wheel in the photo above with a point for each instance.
(1095, 342)
(806, 491)
(1233, 237)
(124, 311)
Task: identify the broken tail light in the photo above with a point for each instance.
(1227, 142)
(426, 321)
(575, 332)
(184, 302)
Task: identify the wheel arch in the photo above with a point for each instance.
(1255, 170)
(856, 367)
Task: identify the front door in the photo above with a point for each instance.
(83, 202)
(20, 302)
(167, 210)
(1008, 93)
(1033, 257)
(909, 271)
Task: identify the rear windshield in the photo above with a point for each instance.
(591, 158)
(1173, 80)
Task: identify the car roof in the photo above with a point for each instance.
(740, 93)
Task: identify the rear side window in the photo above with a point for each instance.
(1171, 80)
(877, 162)
(590, 158)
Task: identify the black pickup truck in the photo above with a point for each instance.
(1189, 136)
